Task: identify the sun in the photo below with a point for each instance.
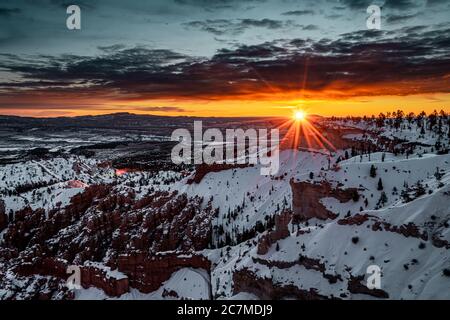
(299, 115)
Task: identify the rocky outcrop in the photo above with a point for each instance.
(91, 275)
(354, 285)
(51, 267)
(170, 294)
(112, 228)
(203, 169)
(3, 216)
(114, 284)
(440, 243)
(308, 263)
(357, 219)
(306, 199)
(407, 230)
(147, 273)
(247, 281)
(281, 231)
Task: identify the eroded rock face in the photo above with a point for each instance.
(111, 284)
(357, 219)
(246, 281)
(147, 273)
(355, 285)
(281, 231)
(308, 263)
(306, 199)
(202, 170)
(406, 230)
(3, 216)
(112, 229)
(90, 275)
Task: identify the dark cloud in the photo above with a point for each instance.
(401, 4)
(392, 4)
(63, 4)
(298, 13)
(400, 18)
(310, 27)
(217, 27)
(7, 12)
(112, 48)
(264, 23)
(209, 5)
(334, 16)
(221, 27)
(356, 4)
(367, 62)
(436, 2)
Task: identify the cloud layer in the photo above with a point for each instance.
(361, 63)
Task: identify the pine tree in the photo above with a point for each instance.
(420, 190)
(380, 185)
(373, 171)
(383, 198)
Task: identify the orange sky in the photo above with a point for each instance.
(279, 105)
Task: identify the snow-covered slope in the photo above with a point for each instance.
(386, 197)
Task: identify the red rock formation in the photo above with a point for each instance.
(202, 170)
(169, 293)
(246, 281)
(91, 275)
(407, 230)
(308, 263)
(101, 225)
(18, 234)
(147, 273)
(43, 266)
(281, 231)
(357, 219)
(306, 199)
(355, 286)
(113, 286)
(439, 243)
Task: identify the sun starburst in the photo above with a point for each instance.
(299, 115)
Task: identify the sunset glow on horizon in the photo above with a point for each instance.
(359, 106)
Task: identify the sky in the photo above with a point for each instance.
(223, 57)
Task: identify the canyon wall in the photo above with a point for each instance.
(306, 198)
